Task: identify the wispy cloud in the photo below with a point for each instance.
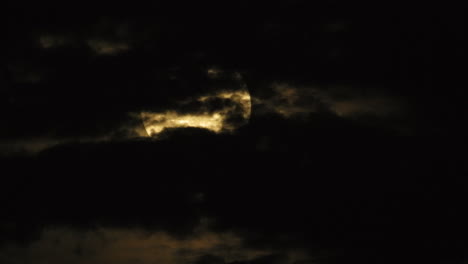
(289, 101)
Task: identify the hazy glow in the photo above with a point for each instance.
(122, 246)
(107, 48)
(287, 101)
(48, 41)
(240, 97)
(156, 122)
(213, 72)
(290, 101)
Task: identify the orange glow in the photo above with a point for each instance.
(121, 246)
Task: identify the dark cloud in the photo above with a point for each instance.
(139, 183)
(341, 160)
(274, 259)
(159, 66)
(370, 105)
(210, 259)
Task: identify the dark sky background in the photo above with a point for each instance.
(353, 151)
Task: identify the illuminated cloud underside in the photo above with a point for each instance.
(156, 122)
(122, 246)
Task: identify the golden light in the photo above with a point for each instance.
(217, 121)
(157, 122)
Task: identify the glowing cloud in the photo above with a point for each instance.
(157, 122)
(216, 121)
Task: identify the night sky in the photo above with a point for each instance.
(233, 132)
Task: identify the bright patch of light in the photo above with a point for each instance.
(156, 122)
